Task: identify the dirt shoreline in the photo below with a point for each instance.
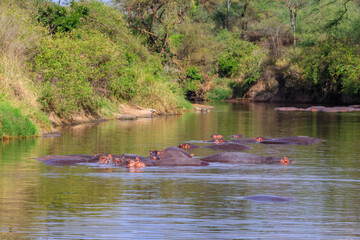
(126, 112)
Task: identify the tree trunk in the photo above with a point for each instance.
(293, 14)
(228, 5)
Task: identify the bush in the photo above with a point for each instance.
(61, 19)
(70, 68)
(220, 90)
(192, 80)
(331, 67)
(239, 59)
(13, 123)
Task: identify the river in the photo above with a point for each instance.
(89, 201)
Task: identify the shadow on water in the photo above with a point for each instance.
(100, 202)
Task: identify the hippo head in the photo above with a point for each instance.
(184, 146)
(155, 155)
(216, 136)
(106, 159)
(286, 161)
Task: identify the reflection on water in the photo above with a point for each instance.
(91, 202)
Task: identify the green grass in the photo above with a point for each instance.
(13, 123)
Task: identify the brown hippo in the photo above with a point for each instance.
(300, 140)
(288, 109)
(134, 157)
(188, 146)
(330, 109)
(169, 152)
(266, 198)
(175, 157)
(244, 158)
(245, 141)
(236, 136)
(228, 147)
(216, 141)
(217, 136)
(68, 159)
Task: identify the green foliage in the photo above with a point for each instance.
(61, 19)
(332, 67)
(239, 59)
(69, 69)
(221, 90)
(227, 66)
(13, 123)
(193, 80)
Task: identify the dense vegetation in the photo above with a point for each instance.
(71, 57)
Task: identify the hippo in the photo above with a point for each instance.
(126, 160)
(228, 147)
(236, 136)
(244, 158)
(300, 140)
(329, 109)
(118, 160)
(320, 109)
(245, 141)
(68, 159)
(266, 198)
(188, 146)
(174, 156)
(216, 141)
(217, 136)
(288, 109)
(169, 152)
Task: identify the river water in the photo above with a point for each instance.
(38, 201)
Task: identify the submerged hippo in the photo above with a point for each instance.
(174, 156)
(228, 147)
(217, 136)
(245, 141)
(245, 158)
(236, 136)
(188, 146)
(216, 141)
(288, 109)
(301, 140)
(319, 109)
(118, 160)
(266, 198)
(67, 159)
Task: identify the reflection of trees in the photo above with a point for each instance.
(18, 177)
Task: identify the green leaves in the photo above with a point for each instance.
(333, 67)
(61, 19)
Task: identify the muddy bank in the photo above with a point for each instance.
(126, 112)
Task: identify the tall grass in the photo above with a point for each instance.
(18, 40)
(13, 123)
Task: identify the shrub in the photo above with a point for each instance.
(13, 123)
(61, 19)
(331, 67)
(239, 59)
(192, 80)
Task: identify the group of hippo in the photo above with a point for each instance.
(351, 108)
(178, 156)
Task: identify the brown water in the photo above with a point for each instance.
(97, 202)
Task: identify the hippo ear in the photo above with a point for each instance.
(110, 156)
(191, 154)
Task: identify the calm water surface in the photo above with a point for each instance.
(98, 202)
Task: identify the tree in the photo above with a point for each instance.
(154, 19)
(293, 6)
